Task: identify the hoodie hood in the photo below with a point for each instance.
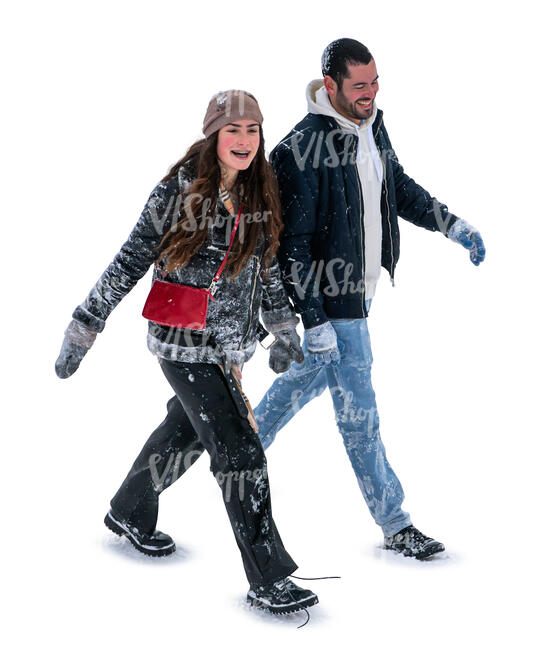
(318, 102)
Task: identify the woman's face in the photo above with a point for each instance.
(238, 143)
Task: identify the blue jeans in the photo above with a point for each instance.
(356, 415)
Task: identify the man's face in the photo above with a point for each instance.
(355, 99)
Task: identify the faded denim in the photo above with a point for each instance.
(349, 382)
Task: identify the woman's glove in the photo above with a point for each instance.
(463, 233)
(322, 344)
(78, 339)
(285, 349)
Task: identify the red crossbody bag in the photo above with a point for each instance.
(179, 305)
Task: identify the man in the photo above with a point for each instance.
(342, 189)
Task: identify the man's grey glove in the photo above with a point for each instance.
(322, 344)
(78, 339)
(463, 233)
(285, 349)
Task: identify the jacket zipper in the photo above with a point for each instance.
(387, 211)
(362, 234)
(251, 300)
(389, 226)
(251, 295)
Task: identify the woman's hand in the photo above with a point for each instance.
(78, 339)
(285, 349)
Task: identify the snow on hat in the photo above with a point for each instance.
(227, 106)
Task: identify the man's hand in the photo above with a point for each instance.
(77, 341)
(322, 344)
(285, 349)
(463, 233)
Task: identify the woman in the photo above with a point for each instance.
(221, 195)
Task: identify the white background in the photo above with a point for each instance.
(100, 98)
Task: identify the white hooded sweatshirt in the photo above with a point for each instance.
(370, 171)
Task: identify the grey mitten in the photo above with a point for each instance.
(285, 349)
(78, 339)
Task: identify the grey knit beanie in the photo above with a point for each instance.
(228, 106)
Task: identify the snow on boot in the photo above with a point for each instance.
(157, 544)
(281, 597)
(413, 543)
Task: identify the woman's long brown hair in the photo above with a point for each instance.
(260, 195)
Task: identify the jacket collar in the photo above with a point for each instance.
(378, 121)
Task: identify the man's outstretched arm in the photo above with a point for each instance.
(416, 205)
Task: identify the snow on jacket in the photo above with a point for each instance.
(232, 326)
(322, 245)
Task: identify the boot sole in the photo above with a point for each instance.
(261, 603)
(432, 549)
(118, 528)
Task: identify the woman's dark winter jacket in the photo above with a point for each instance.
(322, 246)
(233, 325)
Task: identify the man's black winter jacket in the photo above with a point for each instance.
(322, 245)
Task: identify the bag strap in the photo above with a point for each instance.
(211, 289)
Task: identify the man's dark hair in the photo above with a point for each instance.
(341, 52)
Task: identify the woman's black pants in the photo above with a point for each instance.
(208, 413)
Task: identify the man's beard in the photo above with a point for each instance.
(353, 111)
